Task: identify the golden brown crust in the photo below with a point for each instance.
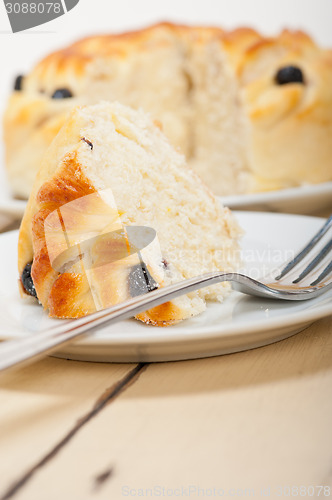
(70, 297)
(71, 64)
(163, 315)
(59, 293)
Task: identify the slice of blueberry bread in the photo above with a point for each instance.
(109, 170)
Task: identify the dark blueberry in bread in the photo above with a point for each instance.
(27, 282)
(289, 74)
(18, 82)
(89, 143)
(62, 94)
(140, 280)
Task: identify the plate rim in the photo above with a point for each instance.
(213, 333)
(277, 195)
(15, 208)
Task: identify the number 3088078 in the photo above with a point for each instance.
(33, 8)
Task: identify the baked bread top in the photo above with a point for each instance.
(108, 169)
(249, 112)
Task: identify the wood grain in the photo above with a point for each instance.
(43, 405)
(245, 421)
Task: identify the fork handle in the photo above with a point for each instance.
(32, 347)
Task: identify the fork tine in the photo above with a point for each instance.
(323, 275)
(314, 263)
(306, 249)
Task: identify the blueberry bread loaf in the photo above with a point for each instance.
(249, 113)
(111, 167)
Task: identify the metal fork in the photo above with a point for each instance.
(13, 353)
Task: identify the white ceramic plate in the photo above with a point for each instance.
(299, 200)
(240, 323)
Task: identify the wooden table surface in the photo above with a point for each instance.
(253, 424)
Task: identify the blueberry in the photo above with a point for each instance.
(289, 74)
(27, 282)
(140, 280)
(62, 94)
(18, 82)
(164, 263)
(89, 143)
